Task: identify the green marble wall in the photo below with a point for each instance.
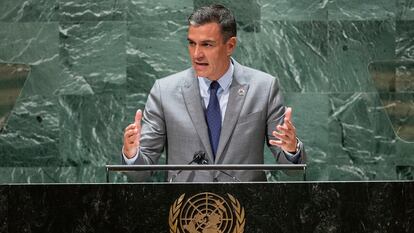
(346, 67)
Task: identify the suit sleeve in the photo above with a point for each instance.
(275, 116)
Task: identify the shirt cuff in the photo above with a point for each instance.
(130, 161)
(294, 158)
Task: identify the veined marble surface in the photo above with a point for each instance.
(346, 68)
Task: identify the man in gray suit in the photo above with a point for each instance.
(219, 107)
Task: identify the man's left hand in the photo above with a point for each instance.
(286, 134)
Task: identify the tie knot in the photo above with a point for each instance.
(214, 86)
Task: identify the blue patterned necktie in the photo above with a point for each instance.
(213, 117)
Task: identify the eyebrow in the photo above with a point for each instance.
(204, 41)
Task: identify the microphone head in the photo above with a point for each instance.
(200, 157)
(197, 156)
(204, 160)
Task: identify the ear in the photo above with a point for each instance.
(231, 45)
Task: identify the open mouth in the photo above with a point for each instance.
(201, 63)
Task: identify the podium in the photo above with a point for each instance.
(221, 168)
(235, 207)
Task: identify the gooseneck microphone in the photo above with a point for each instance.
(199, 158)
(204, 160)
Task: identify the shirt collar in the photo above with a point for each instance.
(224, 80)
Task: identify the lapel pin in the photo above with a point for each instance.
(241, 92)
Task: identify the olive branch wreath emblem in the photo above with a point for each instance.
(175, 210)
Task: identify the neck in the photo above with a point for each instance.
(226, 68)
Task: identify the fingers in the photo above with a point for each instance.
(288, 125)
(132, 132)
(286, 129)
(289, 146)
(131, 126)
(288, 114)
(282, 136)
(132, 140)
(276, 143)
(287, 139)
(132, 135)
(286, 133)
(138, 117)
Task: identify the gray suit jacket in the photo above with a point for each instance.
(174, 119)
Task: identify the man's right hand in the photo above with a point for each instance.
(132, 135)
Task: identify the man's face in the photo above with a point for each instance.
(210, 55)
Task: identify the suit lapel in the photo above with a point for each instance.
(237, 96)
(192, 98)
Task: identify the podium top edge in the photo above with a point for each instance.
(206, 167)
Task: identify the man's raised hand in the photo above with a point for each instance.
(132, 135)
(286, 134)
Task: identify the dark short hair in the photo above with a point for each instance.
(215, 13)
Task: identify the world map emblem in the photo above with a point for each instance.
(206, 213)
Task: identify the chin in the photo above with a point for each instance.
(201, 74)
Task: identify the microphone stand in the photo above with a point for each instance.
(204, 160)
(233, 177)
(199, 158)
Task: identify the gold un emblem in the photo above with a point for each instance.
(206, 213)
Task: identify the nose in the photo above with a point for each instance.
(198, 53)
